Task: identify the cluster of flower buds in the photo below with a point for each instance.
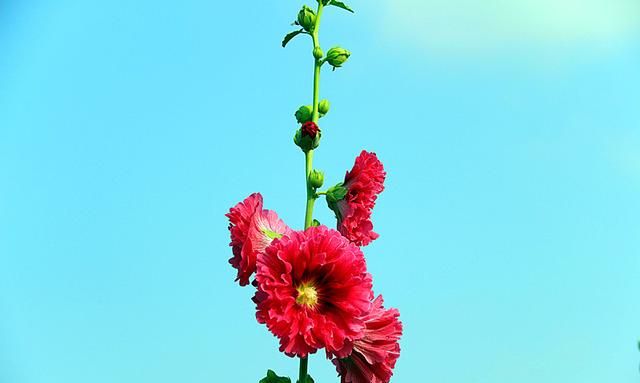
(309, 134)
(305, 112)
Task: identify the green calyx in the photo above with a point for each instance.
(337, 56)
(336, 193)
(304, 114)
(306, 18)
(305, 142)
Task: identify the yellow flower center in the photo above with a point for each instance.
(307, 295)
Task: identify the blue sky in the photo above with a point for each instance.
(509, 226)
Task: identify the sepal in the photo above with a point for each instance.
(336, 193)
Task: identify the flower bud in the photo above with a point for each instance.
(306, 18)
(337, 56)
(318, 53)
(308, 136)
(316, 178)
(309, 129)
(323, 107)
(304, 114)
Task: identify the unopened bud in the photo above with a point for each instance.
(304, 114)
(306, 18)
(323, 107)
(308, 136)
(310, 129)
(337, 56)
(316, 178)
(318, 53)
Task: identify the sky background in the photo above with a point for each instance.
(510, 223)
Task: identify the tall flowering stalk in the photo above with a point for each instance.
(313, 290)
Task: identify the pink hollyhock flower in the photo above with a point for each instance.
(363, 184)
(252, 229)
(313, 289)
(375, 354)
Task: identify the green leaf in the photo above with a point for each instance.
(308, 380)
(342, 5)
(290, 36)
(273, 378)
(315, 223)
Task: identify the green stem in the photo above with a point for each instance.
(304, 362)
(311, 195)
(311, 198)
(317, 64)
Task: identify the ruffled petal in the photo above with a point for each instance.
(375, 354)
(313, 290)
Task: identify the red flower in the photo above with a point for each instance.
(375, 354)
(252, 229)
(363, 183)
(310, 129)
(313, 289)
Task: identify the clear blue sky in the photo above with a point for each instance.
(510, 226)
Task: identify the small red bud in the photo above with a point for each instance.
(310, 129)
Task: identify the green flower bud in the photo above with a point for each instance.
(307, 142)
(304, 113)
(306, 18)
(316, 178)
(323, 107)
(318, 53)
(315, 223)
(337, 56)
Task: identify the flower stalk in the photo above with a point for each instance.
(315, 116)
(332, 293)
